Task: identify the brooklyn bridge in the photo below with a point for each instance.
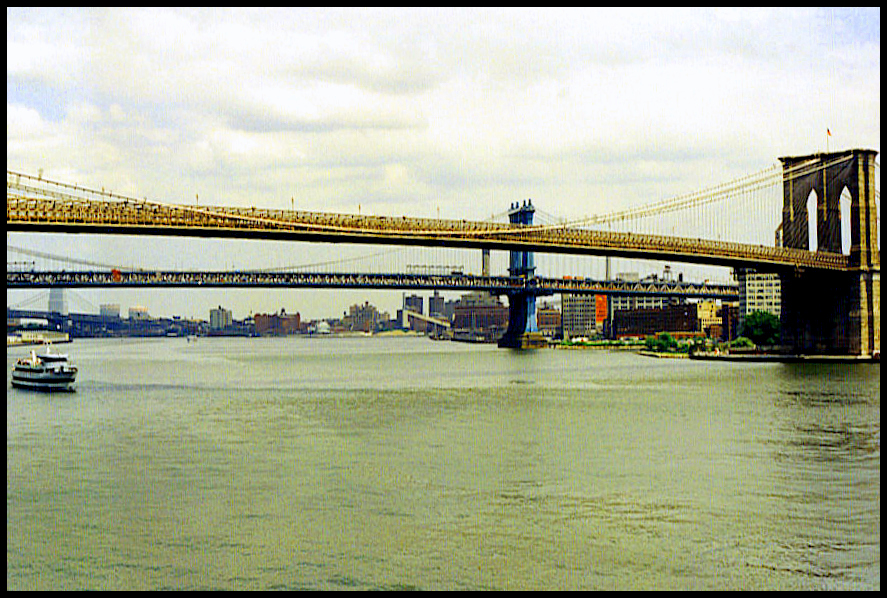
(830, 287)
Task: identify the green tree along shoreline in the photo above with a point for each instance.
(762, 328)
(661, 343)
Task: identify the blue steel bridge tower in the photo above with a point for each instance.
(522, 332)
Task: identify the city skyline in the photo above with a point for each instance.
(76, 303)
(424, 113)
(86, 300)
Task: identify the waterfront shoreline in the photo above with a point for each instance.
(663, 355)
(37, 343)
(781, 358)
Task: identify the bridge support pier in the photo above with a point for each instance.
(832, 312)
(522, 332)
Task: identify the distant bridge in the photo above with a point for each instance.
(441, 282)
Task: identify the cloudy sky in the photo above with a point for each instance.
(455, 113)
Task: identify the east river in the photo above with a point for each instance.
(396, 463)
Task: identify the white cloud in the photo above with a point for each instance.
(24, 123)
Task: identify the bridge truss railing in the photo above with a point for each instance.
(123, 217)
(450, 282)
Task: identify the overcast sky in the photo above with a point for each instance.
(454, 113)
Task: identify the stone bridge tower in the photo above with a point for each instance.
(832, 312)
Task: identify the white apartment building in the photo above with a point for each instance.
(758, 291)
(220, 318)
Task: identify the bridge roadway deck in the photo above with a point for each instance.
(34, 209)
(449, 282)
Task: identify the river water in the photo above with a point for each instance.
(394, 463)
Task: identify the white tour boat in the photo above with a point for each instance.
(47, 371)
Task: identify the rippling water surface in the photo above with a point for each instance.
(392, 463)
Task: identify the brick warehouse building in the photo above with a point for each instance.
(678, 318)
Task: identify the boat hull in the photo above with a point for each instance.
(56, 381)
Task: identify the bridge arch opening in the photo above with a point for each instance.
(812, 219)
(844, 214)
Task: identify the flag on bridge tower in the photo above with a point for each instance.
(828, 132)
